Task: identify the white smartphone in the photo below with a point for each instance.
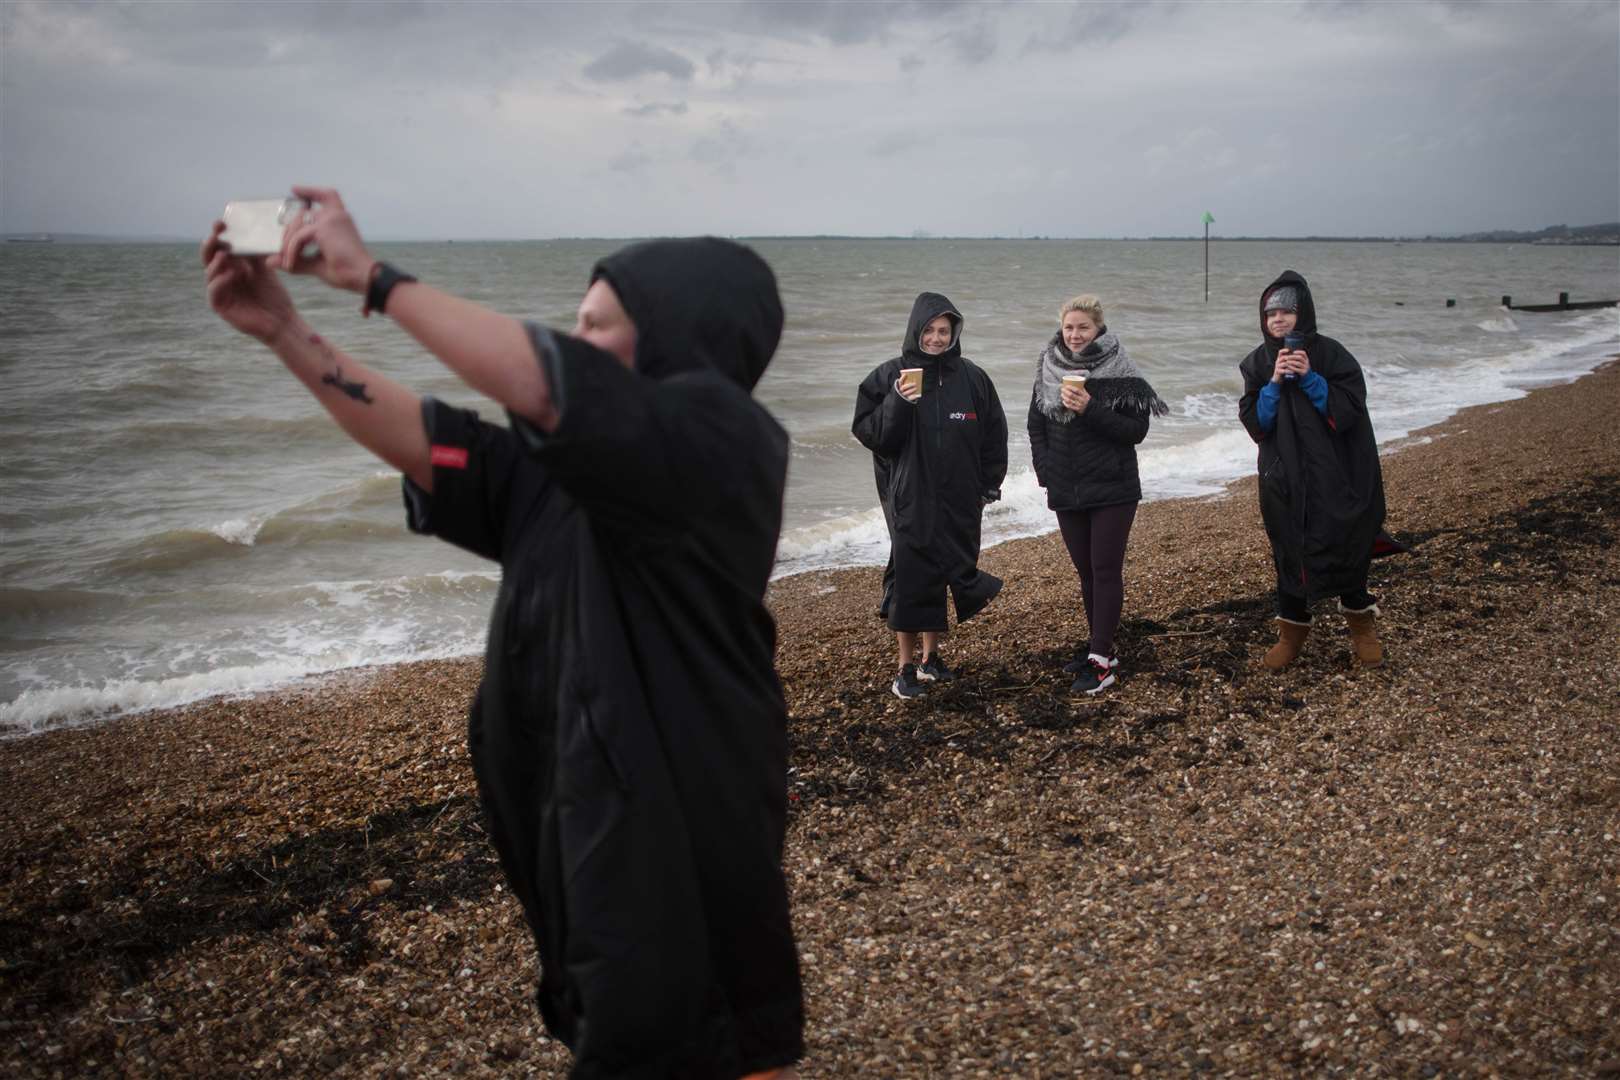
(254, 226)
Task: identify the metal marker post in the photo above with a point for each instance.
(1208, 218)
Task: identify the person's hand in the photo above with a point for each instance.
(911, 393)
(1075, 398)
(339, 257)
(244, 290)
(1290, 362)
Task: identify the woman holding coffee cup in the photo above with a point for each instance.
(938, 439)
(1090, 408)
(1321, 487)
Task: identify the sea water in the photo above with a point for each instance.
(179, 519)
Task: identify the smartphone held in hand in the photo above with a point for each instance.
(1293, 341)
(254, 226)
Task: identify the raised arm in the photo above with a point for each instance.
(491, 352)
(375, 411)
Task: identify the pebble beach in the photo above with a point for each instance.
(1412, 870)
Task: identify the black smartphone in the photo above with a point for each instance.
(1291, 341)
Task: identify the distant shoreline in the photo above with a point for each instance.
(1607, 235)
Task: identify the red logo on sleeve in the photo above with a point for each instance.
(450, 457)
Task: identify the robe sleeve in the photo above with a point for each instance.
(1248, 404)
(1347, 390)
(992, 439)
(473, 466)
(1265, 406)
(635, 453)
(883, 418)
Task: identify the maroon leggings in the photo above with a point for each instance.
(1096, 541)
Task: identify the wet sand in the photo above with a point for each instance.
(1411, 870)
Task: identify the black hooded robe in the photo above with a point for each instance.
(937, 463)
(629, 737)
(1321, 484)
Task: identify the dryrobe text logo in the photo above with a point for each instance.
(964, 416)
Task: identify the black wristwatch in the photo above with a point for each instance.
(383, 280)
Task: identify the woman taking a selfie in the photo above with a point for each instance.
(1090, 408)
(939, 452)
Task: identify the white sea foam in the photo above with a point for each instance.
(303, 655)
(1201, 467)
(242, 531)
(847, 540)
(1208, 407)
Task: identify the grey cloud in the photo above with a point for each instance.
(629, 61)
(632, 160)
(654, 108)
(1100, 23)
(98, 98)
(721, 61)
(424, 44)
(843, 23)
(895, 144)
(724, 148)
(973, 44)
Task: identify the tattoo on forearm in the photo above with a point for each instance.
(356, 390)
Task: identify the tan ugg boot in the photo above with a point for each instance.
(1290, 639)
(1363, 634)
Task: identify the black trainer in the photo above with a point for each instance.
(934, 670)
(1097, 676)
(906, 685)
(1079, 664)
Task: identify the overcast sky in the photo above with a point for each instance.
(518, 120)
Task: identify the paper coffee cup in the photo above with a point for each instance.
(911, 379)
(1074, 380)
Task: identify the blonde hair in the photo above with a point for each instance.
(1084, 302)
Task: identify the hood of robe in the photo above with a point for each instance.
(1307, 307)
(697, 303)
(925, 309)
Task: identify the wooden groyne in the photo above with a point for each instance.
(1563, 304)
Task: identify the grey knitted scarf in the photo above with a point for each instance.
(1104, 359)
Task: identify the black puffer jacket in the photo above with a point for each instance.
(1321, 485)
(1091, 460)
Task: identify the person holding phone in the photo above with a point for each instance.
(938, 437)
(629, 736)
(1321, 486)
(1090, 408)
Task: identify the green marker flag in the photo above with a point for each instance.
(1209, 218)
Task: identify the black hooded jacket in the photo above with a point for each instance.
(937, 463)
(1321, 485)
(629, 737)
